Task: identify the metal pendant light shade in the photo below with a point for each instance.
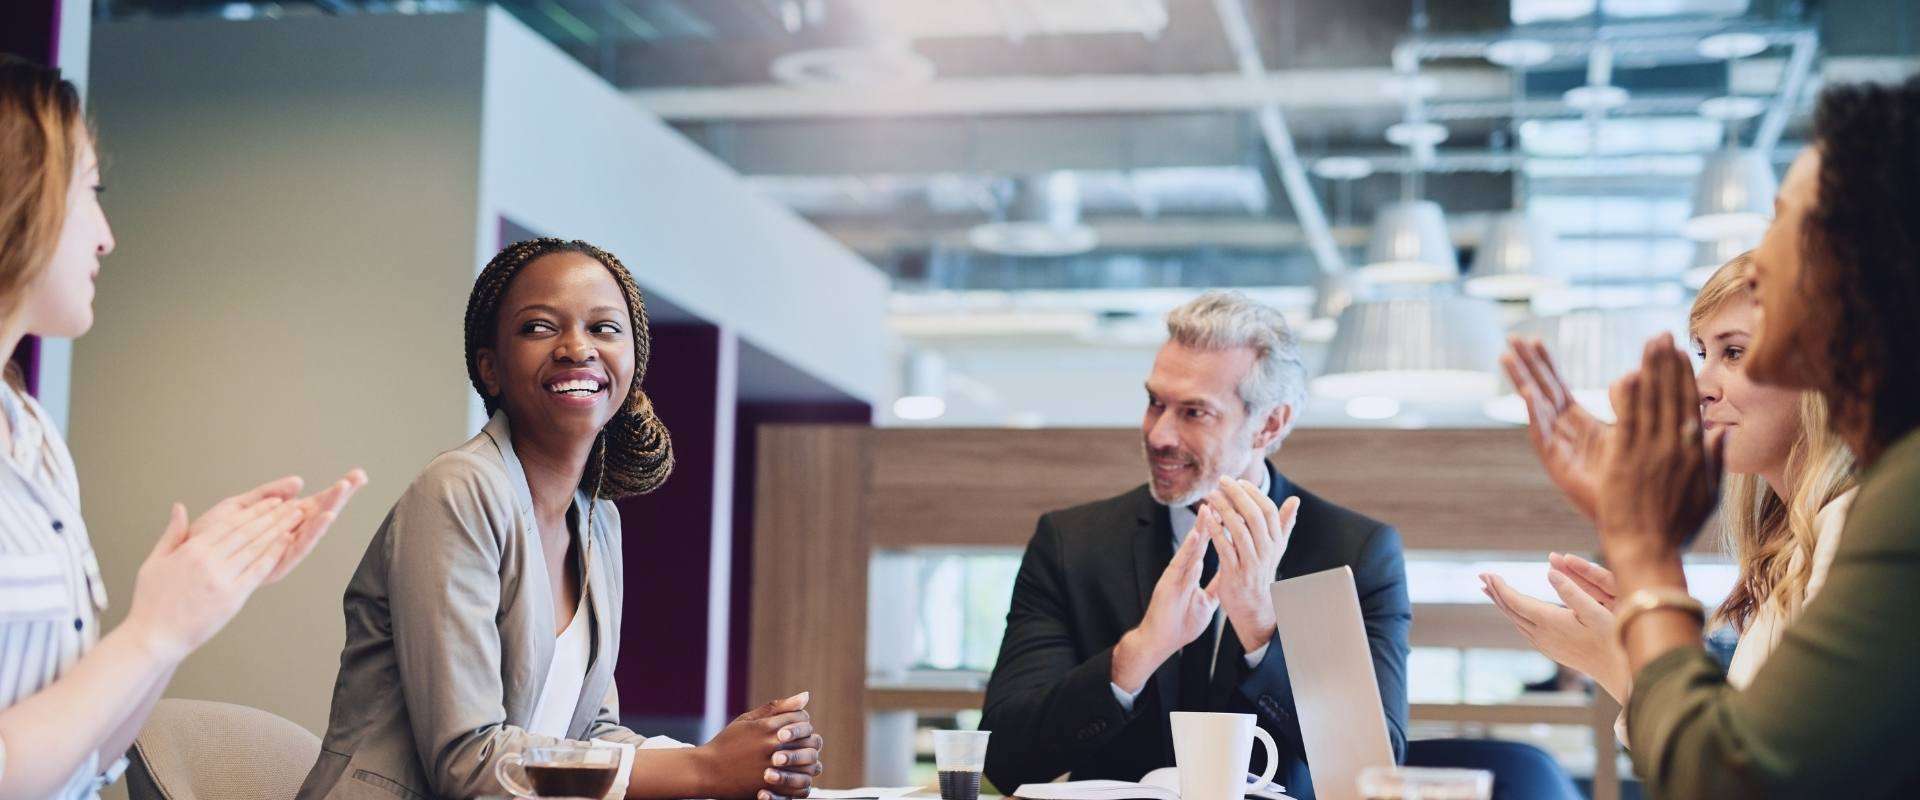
(1516, 258)
(1590, 348)
(1410, 245)
(1425, 349)
(1734, 197)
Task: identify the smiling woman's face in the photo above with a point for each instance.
(1761, 421)
(562, 360)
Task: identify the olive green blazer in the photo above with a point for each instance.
(450, 632)
(1835, 711)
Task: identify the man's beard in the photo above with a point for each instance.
(1207, 477)
(1207, 473)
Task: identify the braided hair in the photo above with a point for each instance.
(634, 454)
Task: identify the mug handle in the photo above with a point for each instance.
(502, 773)
(1273, 756)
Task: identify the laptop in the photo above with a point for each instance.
(1333, 682)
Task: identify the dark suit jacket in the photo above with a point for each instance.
(1086, 580)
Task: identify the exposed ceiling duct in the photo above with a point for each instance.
(1043, 219)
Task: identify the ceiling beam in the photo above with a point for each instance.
(1291, 90)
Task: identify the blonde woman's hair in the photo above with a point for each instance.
(1763, 530)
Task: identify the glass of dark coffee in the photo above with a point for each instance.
(960, 756)
(572, 772)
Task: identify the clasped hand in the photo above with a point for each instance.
(767, 753)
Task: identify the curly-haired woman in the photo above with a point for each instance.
(485, 618)
(1832, 713)
(71, 700)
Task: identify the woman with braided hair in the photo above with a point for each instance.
(485, 618)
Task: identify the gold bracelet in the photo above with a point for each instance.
(1641, 601)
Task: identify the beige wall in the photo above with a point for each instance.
(301, 206)
(295, 205)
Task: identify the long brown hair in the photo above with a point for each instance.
(1770, 536)
(42, 129)
(634, 454)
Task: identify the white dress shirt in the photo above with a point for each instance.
(1183, 519)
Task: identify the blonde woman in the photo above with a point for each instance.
(1790, 485)
(71, 699)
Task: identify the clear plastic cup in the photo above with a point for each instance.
(960, 756)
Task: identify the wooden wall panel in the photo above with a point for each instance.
(1444, 489)
(810, 584)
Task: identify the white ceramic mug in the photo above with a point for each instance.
(1213, 751)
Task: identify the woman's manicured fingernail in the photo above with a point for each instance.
(773, 776)
(779, 759)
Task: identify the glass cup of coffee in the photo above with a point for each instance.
(573, 772)
(1425, 783)
(960, 756)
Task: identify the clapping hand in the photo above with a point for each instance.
(1180, 609)
(200, 573)
(1597, 581)
(1566, 437)
(1660, 477)
(1251, 535)
(1177, 613)
(1578, 635)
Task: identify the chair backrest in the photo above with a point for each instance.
(202, 750)
(1520, 771)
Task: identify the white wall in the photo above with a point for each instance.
(294, 202)
(560, 143)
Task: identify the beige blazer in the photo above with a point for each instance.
(450, 633)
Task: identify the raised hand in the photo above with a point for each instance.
(1597, 581)
(1566, 437)
(1660, 478)
(1251, 535)
(1578, 635)
(765, 753)
(1177, 614)
(318, 510)
(199, 575)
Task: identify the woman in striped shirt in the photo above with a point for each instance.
(71, 700)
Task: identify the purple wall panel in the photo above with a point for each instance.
(668, 535)
(30, 29)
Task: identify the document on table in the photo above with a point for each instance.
(1160, 784)
(864, 793)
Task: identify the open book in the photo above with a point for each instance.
(1160, 784)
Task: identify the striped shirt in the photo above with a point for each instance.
(50, 588)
